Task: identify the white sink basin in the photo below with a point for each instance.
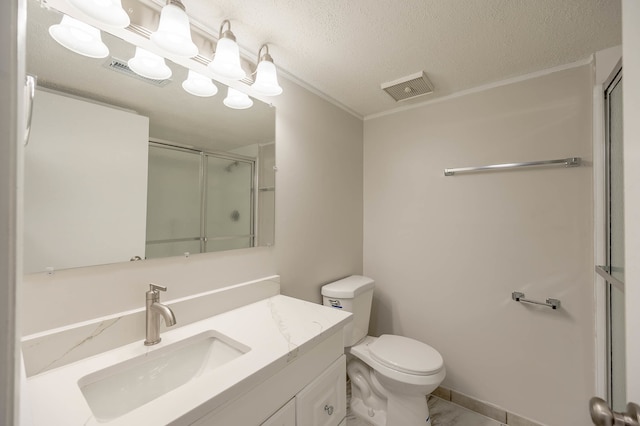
(121, 388)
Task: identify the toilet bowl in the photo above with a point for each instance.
(390, 378)
(390, 375)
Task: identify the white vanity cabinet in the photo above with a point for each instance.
(286, 416)
(323, 402)
(303, 388)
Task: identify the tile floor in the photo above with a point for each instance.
(443, 413)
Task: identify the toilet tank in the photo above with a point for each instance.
(352, 294)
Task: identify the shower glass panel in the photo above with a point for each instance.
(229, 204)
(615, 243)
(198, 201)
(173, 202)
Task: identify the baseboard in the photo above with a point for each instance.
(483, 408)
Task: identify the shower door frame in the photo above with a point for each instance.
(609, 85)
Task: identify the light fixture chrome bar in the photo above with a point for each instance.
(605, 273)
(227, 33)
(520, 297)
(199, 58)
(140, 30)
(567, 162)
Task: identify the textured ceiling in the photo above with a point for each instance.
(346, 49)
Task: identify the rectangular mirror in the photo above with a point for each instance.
(120, 167)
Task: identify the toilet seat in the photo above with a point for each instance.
(362, 351)
(406, 355)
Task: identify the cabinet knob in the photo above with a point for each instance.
(328, 409)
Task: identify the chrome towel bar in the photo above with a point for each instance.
(567, 162)
(520, 297)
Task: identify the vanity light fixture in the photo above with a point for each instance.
(79, 37)
(226, 59)
(149, 65)
(109, 12)
(199, 85)
(266, 82)
(174, 32)
(237, 100)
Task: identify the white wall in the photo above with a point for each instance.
(318, 229)
(631, 100)
(318, 193)
(446, 252)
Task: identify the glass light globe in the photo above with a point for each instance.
(266, 82)
(237, 100)
(79, 37)
(174, 33)
(199, 85)
(226, 61)
(149, 65)
(109, 12)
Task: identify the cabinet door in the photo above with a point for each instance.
(286, 416)
(324, 401)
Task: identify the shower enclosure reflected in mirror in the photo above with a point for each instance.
(120, 167)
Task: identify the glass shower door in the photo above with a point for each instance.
(229, 204)
(615, 244)
(199, 201)
(173, 202)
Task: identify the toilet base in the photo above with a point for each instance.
(399, 412)
(370, 401)
(360, 410)
(409, 411)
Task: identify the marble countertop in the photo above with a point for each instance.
(277, 330)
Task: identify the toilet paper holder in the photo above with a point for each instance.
(520, 297)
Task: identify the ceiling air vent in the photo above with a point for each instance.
(408, 87)
(121, 66)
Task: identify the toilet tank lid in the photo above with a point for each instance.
(348, 287)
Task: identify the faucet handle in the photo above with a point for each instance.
(156, 287)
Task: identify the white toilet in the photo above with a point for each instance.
(390, 375)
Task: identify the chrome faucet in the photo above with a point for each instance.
(154, 310)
